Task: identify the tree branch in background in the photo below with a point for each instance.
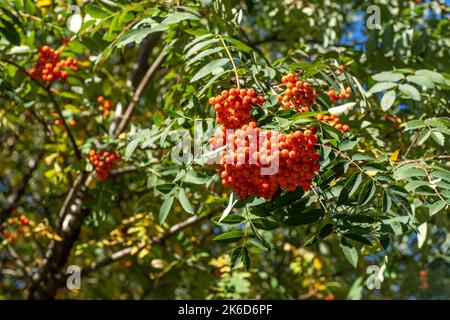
(173, 230)
(139, 91)
(14, 197)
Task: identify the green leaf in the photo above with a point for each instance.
(407, 171)
(230, 236)
(349, 252)
(421, 81)
(331, 131)
(29, 6)
(305, 217)
(203, 54)
(239, 45)
(386, 201)
(95, 11)
(355, 292)
(382, 86)
(347, 144)
(9, 32)
(432, 75)
(367, 192)
(197, 40)
(412, 185)
(184, 201)
(262, 244)
(209, 68)
(361, 157)
(178, 17)
(166, 187)
(288, 197)
(350, 187)
(388, 76)
(325, 231)
(436, 207)
(414, 124)
(388, 100)
(423, 136)
(240, 257)
(410, 91)
(138, 35)
(230, 219)
(196, 178)
(265, 224)
(131, 147)
(211, 82)
(374, 167)
(438, 137)
(358, 238)
(165, 209)
(333, 173)
(197, 47)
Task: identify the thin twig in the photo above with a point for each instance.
(413, 142)
(231, 60)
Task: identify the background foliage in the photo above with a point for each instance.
(152, 230)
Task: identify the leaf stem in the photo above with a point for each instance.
(232, 62)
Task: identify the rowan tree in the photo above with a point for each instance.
(135, 136)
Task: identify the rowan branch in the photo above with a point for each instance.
(121, 254)
(55, 103)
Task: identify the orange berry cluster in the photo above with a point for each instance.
(342, 95)
(298, 95)
(49, 67)
(290, 159)
(104, 162)
(233, 107)
(21, 221)
(333, 121)
(104, 106)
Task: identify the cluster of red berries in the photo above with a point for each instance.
(344, 94)
(21, 221)
(233, 107)
(49, 67)
(288, 160)
(104, 162)
(104, 106)
(333, 121)
(298, 95)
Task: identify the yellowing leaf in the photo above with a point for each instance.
(50, 158)
(57, 237)
(143, 253)
(43, 3)
(317, 264)
(134, 250)
(395, 154)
